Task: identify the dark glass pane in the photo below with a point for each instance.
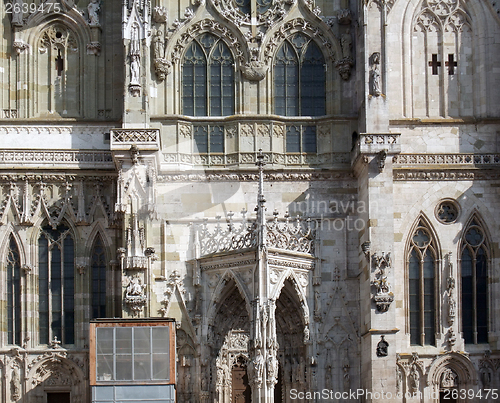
(286, 81)
(309, 139)
(98, 268)
(414, 298)
(414, 266)
(292, 139)
(244, 6)
(43, 289)
(221, 81)
(482, 296)
(428, 265)
(312, 86)
(201, 138)
(263, 5)
(216, 139)
(467, 297)
(194, 81)
(13, 293)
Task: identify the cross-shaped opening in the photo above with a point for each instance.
(434, 64)
(451, 64)
(59, 63)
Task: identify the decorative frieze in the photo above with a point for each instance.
(445, 175)
(446, 159)
(251, 177)
(303, 159)
(103, 159)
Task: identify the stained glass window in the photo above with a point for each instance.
(56, 283)
(474, 284)
(299, 78)
(13, 294)
(208, 78)
(422, 263)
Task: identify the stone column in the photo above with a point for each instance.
(373, 166)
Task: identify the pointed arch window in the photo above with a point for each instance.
(98, 273)
(208, 78)
(56, 283)
(474, 283)
(422, 264)
(299, 78)
(13, 293)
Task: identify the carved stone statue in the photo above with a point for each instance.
(346, 42)
(134, 69)
(15, 384)
(375, 84)
(317, 306)
(17, 13)
(158, 45)
(93, 9)
(272, 369)
(414, 381)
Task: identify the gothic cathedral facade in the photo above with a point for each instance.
(310, 188)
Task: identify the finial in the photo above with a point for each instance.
(260, 163)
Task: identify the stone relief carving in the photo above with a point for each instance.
(135, 297)
(160, 15)
(383, 296)
(449, 15)
(449, 379)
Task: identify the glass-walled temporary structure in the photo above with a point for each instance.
(132, 360)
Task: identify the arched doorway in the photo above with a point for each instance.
(231, 333)
(292, 333)
(241, 391)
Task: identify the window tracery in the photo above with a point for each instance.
(474, 283)
(13, 290)
(208, 78)
(56, 284)
(58, 65)
(299, 78)
(422, 265)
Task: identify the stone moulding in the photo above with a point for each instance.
(446, 159)
(252, 176)
(445, 175)
(60, 157)
(249, 158)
